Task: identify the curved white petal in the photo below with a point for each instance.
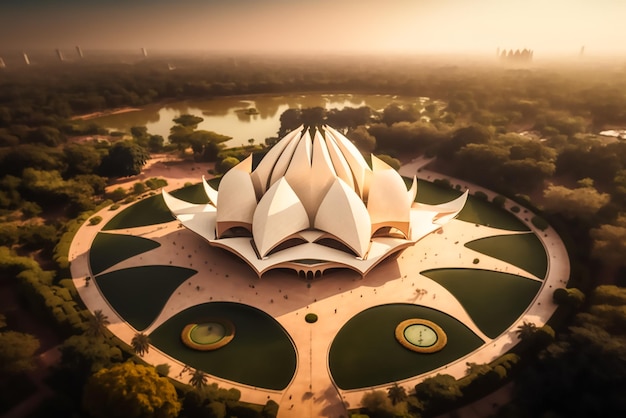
(263, 172)
(388, 203)
(343, 214)
(210, 191)
(237, 199)
(279, 215)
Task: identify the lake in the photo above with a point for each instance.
(228, 116)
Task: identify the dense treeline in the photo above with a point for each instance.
(530, 134)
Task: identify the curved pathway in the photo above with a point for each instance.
(335, 299)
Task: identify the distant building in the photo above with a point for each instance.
(144, 52)
(516, 57)
(26, 59)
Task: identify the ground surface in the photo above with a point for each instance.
(313, 389)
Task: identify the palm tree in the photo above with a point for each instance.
(396, 394)
(198, 379)
(526, 331)
(140, 343)
(97, 324)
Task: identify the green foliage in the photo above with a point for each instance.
(155, 183)
(124, 159)
(499, 201)
(480, 195)
(310, 318)
(270, 409)
(130, 390)
(438, 391)
(571, 297)
(17, 352)
(609, 242)
(140, 344)
(582, 202)
(365, 142)
(188, 120)
(539, 223)
(377, 404)
(95, 220)
(585, 363)
(117, 194)
(226, 164)
(139, 188)
(81, 356)
(163, 369)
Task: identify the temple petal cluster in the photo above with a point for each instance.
(311, 204)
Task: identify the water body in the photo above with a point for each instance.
(230, 115)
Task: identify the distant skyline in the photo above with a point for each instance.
(423, 26)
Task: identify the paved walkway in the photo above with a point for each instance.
(334, 298)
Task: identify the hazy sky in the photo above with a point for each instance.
(448, 26)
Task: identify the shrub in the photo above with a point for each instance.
(129, 199)
(95, 220)
(139, 188)
(156, 183)
(476, 261)
(515, 209)
(310, 318)
(480, 195)
(117, 194)
(540, 223)
(568, 297)
(163, 369)
(443, 183)
(499, 201)
(115, 206)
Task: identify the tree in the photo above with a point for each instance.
(438, 391)
(582, 202)
(130, 390)
(140, 343)
(226, 164)
(198, 379)
(526, 331)
(81, 356)
(609, 242)
(81, 158)
(365, 142)
(97, 325)
(377, 404)
(187, 120)
(17, 352)
(396, 394)
(124, 159)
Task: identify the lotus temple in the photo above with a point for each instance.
(312, 275)
(313, 204)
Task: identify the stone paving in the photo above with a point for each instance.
(334, 298)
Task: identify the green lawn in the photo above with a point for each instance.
(524, 251)
(138, 294)
(152, 210)
(481, 212)
(475, 211)
(494, 300)
(149, 211)
(261, 353)
(109, 249)
(365, 351)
